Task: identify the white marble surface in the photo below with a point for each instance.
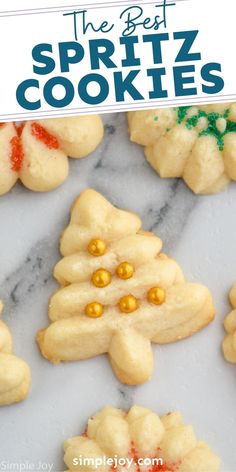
(191, 376)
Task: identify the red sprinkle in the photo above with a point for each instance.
(19, 129)
(2, 124)
(160, 468)
(134, 453)
(17, 154)
(44, 136)
(85, 433)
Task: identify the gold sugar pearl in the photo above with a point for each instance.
(156, 295)
(101, 278)
(97, 247)
(94, 310)
(128, 304)
(125, 270)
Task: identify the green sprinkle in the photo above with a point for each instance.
(192, 122)
(182, 113)
(156, 118)
(226, 113)
(231, 127)
(211, 129)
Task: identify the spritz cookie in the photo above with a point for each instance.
(14, 373)
(229, 343)
(197, 143)
(36, 152)
(138, 441)
(118, 293)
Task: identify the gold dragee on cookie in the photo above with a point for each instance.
(229, 343)
(14, 373)
(197, 143)
(118, 293)
(139, 435)
(36, 152)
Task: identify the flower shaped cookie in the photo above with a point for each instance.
(197, 143)
(36, 151)
(14, 373)
(118, 293)
(142, 441)
(229, 343)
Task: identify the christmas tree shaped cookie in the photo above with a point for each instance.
(14, 373)
(140, 441)
(197, 143)
(118, 293)
(36, 152)
(229, 343)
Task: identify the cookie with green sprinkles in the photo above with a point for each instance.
(197, 143)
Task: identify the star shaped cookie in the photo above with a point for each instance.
(197, 143)
(140, 441)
